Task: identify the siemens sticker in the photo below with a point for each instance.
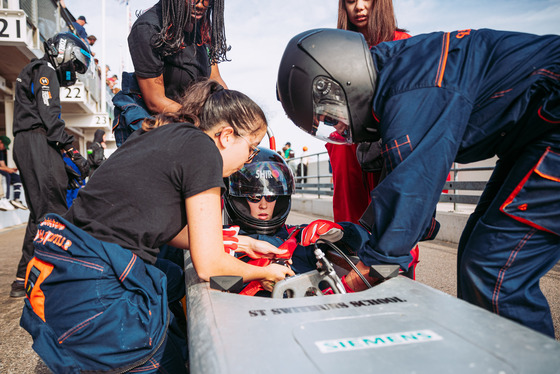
(377, 341)
(324, 307)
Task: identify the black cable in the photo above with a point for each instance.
(340, 252)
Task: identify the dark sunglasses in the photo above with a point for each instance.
(258, 198)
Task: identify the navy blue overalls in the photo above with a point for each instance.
(467, 96)
(94, 306)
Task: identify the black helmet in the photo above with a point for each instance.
(327, 79)
(267, 175)
(69, 55)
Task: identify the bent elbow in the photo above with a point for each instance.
(204, 276)
(152, 107)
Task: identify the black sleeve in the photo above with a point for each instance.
(200, 167)
(147, 62)
(47, 96)
(96, 157)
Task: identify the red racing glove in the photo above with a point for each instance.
(230, 239)
(321, 229)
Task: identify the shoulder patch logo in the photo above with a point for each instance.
(462, 33)
(44, 81)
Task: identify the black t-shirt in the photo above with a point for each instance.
(179, 70)
(137, 197)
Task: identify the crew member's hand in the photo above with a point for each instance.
(77, 159)
(230, 239)
(321, 229)
(276, 273)
(74, 179)
(258, 248)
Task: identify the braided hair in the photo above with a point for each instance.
(176, 17)
(218, 45)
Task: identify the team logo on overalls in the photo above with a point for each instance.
(46, 95)
(44, 81)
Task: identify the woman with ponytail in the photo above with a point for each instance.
(96, 262)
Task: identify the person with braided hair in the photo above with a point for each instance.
(173, 44)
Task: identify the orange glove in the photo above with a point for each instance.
(321, 229)
(230, 239)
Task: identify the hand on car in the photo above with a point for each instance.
(276, 273)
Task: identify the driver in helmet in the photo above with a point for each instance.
(433, 99)
(40, 138)
(258, 200)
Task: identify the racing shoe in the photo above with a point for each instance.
(18, 204)
(18, 289)
(5, 204)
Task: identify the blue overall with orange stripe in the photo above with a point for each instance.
(94, 306)
(467, 96)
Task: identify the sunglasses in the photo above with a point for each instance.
(258, 198)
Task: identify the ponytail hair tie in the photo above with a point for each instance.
(217, 88)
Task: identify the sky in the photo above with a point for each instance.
(258, 31)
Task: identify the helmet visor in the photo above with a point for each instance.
(81, 59)
(262, 178)
(331, 119)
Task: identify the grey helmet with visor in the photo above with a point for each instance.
(326, 84)
(69, 55)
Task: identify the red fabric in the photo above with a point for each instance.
(290, 244)
(351, 185)
(401, 35)
(230, 239)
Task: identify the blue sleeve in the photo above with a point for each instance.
(421, 131)
(355, 236)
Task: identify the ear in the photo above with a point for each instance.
(227, 137)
